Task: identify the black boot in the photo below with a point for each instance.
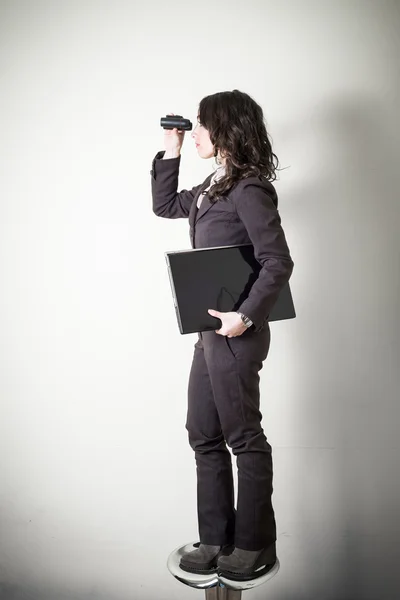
(242, 565)
(203, 560)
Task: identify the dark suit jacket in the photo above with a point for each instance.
(247, 214)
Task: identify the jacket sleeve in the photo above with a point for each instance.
(167, 202)
(260, 216)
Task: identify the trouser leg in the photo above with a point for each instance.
(233, 365)
(215, 492)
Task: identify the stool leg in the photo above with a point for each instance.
(222, 593)
(227, 594)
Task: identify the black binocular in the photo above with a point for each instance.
(169, 122)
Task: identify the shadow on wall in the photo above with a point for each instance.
(347, 343)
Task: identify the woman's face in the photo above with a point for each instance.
(201, 137)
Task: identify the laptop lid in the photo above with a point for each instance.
(220, 278)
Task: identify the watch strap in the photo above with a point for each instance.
(246, 320)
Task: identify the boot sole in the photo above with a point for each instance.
(199, 571)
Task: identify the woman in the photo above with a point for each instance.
(236, 205)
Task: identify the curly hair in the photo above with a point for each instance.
(236, 127)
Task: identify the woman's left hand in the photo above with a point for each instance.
(232, 324)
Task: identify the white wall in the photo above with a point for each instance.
(98, 482)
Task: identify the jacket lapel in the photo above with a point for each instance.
(205, 205)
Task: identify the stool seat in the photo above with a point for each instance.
(213, 579)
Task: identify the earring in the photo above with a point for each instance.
(217, 157)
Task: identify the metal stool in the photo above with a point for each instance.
(215, 586)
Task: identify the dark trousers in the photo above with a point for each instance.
(223, 408)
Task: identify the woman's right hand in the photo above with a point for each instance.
(173, 139)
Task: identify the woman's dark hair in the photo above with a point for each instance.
(236, 127)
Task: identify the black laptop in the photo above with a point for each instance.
(219, 278)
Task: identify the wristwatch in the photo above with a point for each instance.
(248, 322)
